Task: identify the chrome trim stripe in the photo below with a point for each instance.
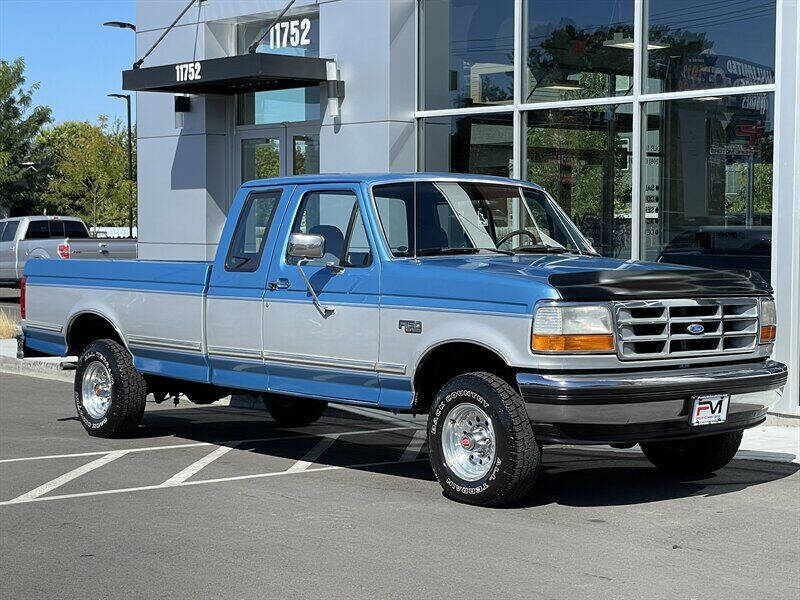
(228, 352)
(334, 363)
(117, 289)
(41, 325)
(319, 361)
(392, 368)
(141, 340)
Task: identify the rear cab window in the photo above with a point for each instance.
(37, 230)
(75, 230)
(249, 237)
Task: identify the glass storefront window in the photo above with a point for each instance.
(305, 157)
(261, 158)
(694, 45)
(707, 181)
(577, 49)
(581, 156)
(297, 34)
(466, 53)
(467, 144)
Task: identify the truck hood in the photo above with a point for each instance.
(599, 278)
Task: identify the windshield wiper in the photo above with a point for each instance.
(543, 249)
(435, 251)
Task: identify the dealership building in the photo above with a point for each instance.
(667, 129)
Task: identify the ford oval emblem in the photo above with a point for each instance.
(695, 329)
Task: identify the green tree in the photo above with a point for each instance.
(20, 123)
(89, 176)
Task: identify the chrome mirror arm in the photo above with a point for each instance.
(325, 311)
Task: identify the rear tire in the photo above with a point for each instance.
(698, 456)
(110, 393)
(481, 444)
(294, 412)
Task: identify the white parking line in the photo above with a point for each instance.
(197, 444)
(414, 446)
(67, 477)
(196, 466)
(313, 454)
(204, 481)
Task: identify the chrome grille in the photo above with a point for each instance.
(648, 329)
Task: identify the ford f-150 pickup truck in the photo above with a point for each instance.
(46, 236)
(473, 299)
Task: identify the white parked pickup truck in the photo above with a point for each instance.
(23, 238)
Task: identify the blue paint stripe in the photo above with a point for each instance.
(117, 284)
(47, 342)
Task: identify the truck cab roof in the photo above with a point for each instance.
(375, 178)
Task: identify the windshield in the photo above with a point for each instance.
(462, 218)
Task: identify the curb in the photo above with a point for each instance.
(45, 368)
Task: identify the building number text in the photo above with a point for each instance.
(290, 33)
(187, 71)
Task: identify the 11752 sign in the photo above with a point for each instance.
(187, 71)
(290, 34)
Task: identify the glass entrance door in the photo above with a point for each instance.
(278, 151)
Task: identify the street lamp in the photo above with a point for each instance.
(127, 98)
(120, 24)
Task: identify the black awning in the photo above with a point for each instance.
(229, 75)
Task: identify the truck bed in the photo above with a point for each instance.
(157, 304)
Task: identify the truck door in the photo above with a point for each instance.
(236, 290)
(308, 352)
(8, 249)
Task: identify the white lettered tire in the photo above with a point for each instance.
(110, 393)
(481, 444)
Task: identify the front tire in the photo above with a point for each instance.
(294, 412)
(110, 393)
(699, 456)
(481, 444)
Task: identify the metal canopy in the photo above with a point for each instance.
(228, 75)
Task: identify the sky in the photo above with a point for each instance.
(67, 50)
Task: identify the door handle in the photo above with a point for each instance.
(280, 284)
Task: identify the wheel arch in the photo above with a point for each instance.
(88, 325)
(447, 359)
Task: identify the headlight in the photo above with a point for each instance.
(572, 328)
(768, 318)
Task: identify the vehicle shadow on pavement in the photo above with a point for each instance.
(602, 478)
(362, 441)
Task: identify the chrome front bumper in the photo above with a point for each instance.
(645, 405)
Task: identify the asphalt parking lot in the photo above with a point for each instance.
(220, 502)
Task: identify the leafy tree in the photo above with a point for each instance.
(89, 176)
(20, 123)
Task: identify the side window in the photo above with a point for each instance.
(394, 218)
(9, 232)
(3, 231)
(335, 216)
(37, 230)
(251, 232)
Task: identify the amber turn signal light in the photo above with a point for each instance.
(573, 343)
(768, 333)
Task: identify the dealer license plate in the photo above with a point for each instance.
(709, 410)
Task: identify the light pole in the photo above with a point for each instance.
(120, 24)
(130, 162)
(132, 27)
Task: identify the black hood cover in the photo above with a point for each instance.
(630, 284)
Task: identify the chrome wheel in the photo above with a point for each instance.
(96, 390)
(468, 441)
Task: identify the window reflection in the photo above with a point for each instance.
(468, 144)
(693, 45)
(707, 181)
(581, 156)
(578, 49)
(466, 53)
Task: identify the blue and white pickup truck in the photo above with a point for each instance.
(473, 299)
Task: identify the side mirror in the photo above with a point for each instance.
(306, 245)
